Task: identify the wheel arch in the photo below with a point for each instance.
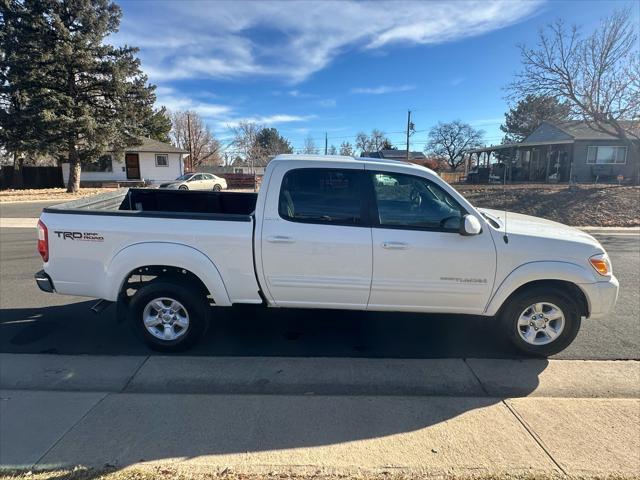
(565, 277)
(187, 260)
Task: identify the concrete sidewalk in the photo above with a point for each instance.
(304, 415)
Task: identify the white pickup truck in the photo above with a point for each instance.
(325, 232)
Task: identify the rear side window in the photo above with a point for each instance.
(322, 195)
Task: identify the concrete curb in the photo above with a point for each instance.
(322, 376)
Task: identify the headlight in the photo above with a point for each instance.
(601, 264)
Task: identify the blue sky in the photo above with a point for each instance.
(308, 68)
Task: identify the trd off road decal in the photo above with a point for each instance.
(81, 236)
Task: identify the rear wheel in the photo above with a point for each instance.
(541, 321)
(168, 316)
(217, 187)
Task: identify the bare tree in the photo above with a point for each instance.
(244, 138)
(372, 143)
(346, 149)
(332, 150)
(363, 143)
(452, 140)
(597, 75)
(310, 146)
(190, 133)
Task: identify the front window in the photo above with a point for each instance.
(315, 195)
(602, 155)
(185, 177)
(162, 160)
(407, 201)
(103, 164)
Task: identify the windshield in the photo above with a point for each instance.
(186, 176)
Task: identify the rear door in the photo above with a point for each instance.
(197, 182)
(316, 242)
(208, 181)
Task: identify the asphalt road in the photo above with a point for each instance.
(35, 322)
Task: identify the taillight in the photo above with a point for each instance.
(43, 241)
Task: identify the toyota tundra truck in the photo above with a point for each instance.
(324, 232)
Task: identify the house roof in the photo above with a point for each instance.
(395, 155)
(151, 145)
(580, 130)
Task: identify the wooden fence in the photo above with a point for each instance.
(32, 177)
(238, 181)
(452, 177)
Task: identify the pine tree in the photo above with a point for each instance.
(18, 116)
(158, 125)
(521, 120)
(84, 95)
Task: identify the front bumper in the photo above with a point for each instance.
(602, 297)
(44, 282)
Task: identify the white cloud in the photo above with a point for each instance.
(174, 102)
(327, 102)
(292, 40)
(266, 120)
(382, 89)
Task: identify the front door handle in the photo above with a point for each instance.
(280, 239)
(395, 245)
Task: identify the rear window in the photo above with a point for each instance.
(319, 195)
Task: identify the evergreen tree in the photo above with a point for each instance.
(158, 125)
(530, 112)
(269, 143)
(82, 95)
(18, 116)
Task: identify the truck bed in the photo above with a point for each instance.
(87, 236)
(145, 202)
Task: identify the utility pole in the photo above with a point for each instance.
(326, 143)
(408, 131)
(190, 151)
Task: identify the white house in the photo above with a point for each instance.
(151, 162)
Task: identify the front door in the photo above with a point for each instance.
(315, 240)
(132, 165)
(420, 261)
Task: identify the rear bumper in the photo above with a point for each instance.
(602, 297)
(44, 282)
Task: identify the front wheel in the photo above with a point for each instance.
(183, 187)
(541, 322)
(168, 316)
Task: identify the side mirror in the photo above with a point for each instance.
(470, 225)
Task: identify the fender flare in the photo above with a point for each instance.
(535, 271)
(169, 254)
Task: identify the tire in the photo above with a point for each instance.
(546, 334)
(194, 306)
(183, 187)
(217, 187)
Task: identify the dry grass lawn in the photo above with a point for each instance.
(578, 205)
(51, 194)
(170, 473)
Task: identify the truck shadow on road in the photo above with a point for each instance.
(259, 331)
(284, 427)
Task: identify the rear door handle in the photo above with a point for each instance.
(395, 245)
(280, 239)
